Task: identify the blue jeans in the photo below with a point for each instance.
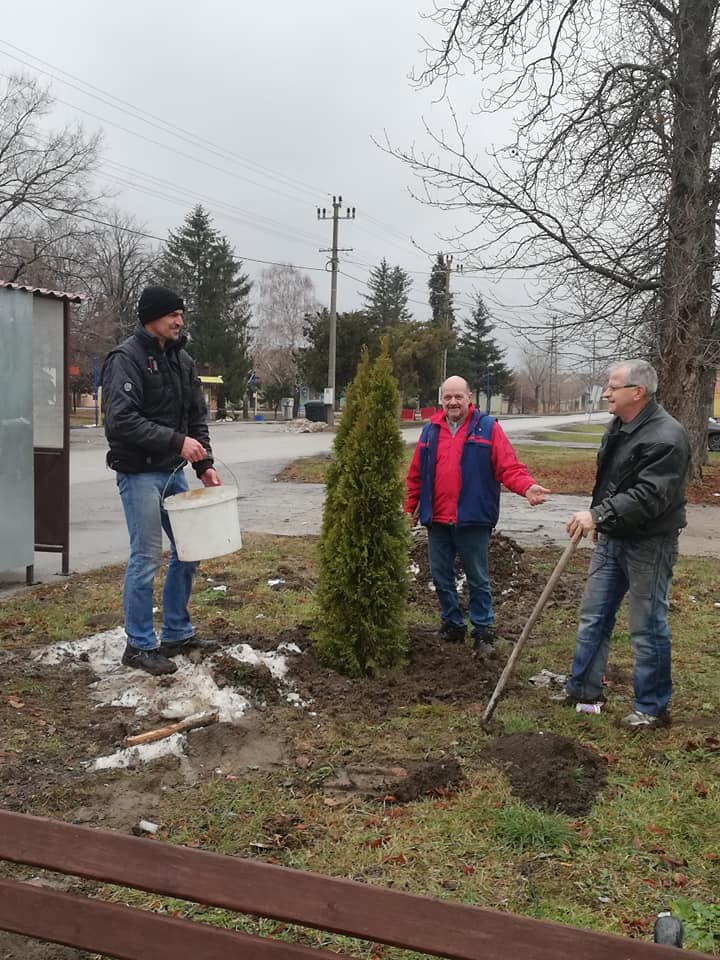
(445, 542)
(642, 568)
(142, 495)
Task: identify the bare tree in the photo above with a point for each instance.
(117, 262)
(276, 370)
(287, 298)
(45, 189)
(535, 373)
(610, 185)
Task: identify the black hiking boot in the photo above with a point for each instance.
(483, 639)
(168, 649)
(151, 661)
(452, 632)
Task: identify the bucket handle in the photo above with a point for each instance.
(183, 464)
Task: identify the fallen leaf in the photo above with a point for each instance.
(700, 789)
(673, 861)
(654, 828)
(399, 858)
(377, 842)
(467, 869)
(332, 801)
(680, 880)
(15, 702)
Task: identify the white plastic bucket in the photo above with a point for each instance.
(205, 522)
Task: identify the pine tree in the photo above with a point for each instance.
(387, 303)
(361, 620)
(199, 263)
(441, 300)
(353, 333)
(477, 353)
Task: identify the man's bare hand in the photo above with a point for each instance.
(193, 450)
(210, 478)
(581, 521)
(536, 494)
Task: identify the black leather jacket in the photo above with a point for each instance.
(642, 472)
(152, 400)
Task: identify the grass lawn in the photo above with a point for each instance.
(651, 839)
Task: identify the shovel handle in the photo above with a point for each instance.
(531, 621)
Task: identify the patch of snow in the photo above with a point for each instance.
(222, 588)
(294, 648)
(276, 583)
(121, 759)
(296, 700)
(191, 690)
(274, 661)
(460, 582)
(414, 569)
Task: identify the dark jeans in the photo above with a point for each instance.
(642, 568)
(445, 542)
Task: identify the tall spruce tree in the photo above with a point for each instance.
(441, 300)
(386, 305)
(199, 263)
(477, 356)
(360, 625)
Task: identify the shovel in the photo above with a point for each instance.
(531, 621)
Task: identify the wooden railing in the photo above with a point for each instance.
(435, 927)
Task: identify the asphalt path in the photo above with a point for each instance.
(254, 453)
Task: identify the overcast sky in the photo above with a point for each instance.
(295, 92)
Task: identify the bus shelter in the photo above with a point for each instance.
(34, 425)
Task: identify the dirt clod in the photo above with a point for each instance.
(428, 780)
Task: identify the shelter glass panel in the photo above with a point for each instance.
(17, 517)
(48, 373)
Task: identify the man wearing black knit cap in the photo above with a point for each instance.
(155, 418)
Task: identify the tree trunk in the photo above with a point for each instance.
(686, 353)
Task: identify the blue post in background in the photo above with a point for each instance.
(488, 391)
(96, 384)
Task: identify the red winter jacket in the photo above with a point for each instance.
(506, 468)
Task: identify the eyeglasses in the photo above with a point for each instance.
(622, 386)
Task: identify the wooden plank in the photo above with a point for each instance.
(439, 927)
(129, 934)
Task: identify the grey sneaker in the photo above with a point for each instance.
(483, 639)
(168, 649)
(637, 720)
(151, 661)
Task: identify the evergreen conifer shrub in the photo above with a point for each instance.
(360, 623)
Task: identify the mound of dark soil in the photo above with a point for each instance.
(435, 671)
(550, 772)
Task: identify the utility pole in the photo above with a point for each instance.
(553, 391)
(334, 261)
(448, 262)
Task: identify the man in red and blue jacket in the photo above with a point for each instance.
(453, 485)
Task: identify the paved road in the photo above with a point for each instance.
(256, 452)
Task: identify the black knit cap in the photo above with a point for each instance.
(156, 302)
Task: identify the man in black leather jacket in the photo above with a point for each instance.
(155, 419)
(637, 511)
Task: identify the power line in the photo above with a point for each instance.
(151, 119)
(151, 236)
